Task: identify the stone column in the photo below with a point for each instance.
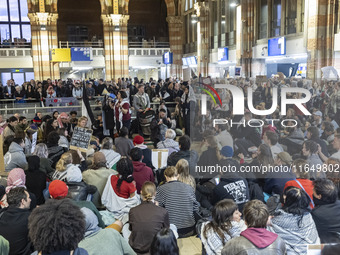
(203, 37)
(116, 46)
(44, 38)
(320, 39)
(176, 43)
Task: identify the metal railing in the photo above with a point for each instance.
(67, 44)
(16, 44)
(151, 44)
(147, 51)
(15, 52)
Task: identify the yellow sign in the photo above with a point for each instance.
(41, 5)
(115, 7)
(60, 55)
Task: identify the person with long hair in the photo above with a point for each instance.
(123, 183)
(226, 223)
(294, 222)
(51, 125)
(35, 179)
(183, 173)
(212, 154)
(164, 243)
(67, 171)
(146, 214)
(45, 163)
(55, 115)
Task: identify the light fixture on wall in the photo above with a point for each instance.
(117, 28)
(43, 27)
(194, 18)
(234, 3)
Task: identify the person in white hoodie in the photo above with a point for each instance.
(111, 156)
(66, 171)
(15, 157)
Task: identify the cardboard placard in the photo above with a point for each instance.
(80, 139)
(159, 158)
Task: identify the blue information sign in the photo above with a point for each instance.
(223, 54)
(277, 46)
(81, 54)
(168, 58)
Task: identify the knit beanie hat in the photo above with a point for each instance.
(138, 139)
(227, 151)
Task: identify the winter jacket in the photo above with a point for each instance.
(15, 157)
(255, 241)
(297, 232)
(72, 173)
(14, 228)
(141, 174)
(327, 220)
(97, 178)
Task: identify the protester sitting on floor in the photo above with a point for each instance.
(164, 243)
(271, 139)
(146, 219)
(169, 142)
(275, 181)
(35, 179)
(111, 156)
(184, 176)
(185, 153)
(59, 190)
(61, 215)
(179, 200)
(15, 157)
(226, 223)
(138, 141)
(17, 178)
(301, 170)
(14, 220)
(120, 194)
(326, 211)
(68, 172)
(310, 150)
(54, 150)
(97, 176)
(99, 241)
(141, 172)
(255, 239)
(45, 163)
(294, 222)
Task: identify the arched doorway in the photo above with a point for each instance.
(79, 20)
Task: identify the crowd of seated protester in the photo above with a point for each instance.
(114, 198)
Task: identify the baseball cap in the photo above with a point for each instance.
(58, 189)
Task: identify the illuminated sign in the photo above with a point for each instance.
(223, 54)
(277, 46)
(168, 58)
(81, 54)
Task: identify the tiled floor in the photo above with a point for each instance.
(190, 246)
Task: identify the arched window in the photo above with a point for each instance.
(14, 23)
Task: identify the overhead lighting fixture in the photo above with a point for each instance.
(234, 3)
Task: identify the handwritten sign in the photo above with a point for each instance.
(80, 139)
